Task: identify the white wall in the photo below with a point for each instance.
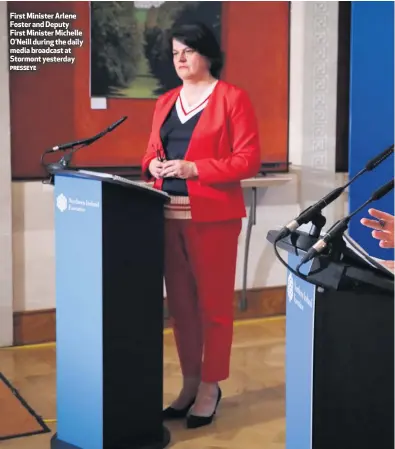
(312, 153)
(33, 246)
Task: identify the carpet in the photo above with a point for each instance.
(17, 418)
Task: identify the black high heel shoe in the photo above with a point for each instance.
(193, 421)
(175, 413)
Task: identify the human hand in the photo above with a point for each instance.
(389, 264)
(155, 167)
(179, 169)
(383, 227)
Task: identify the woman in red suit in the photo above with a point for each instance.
(204, 141)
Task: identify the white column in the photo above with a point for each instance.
(6, 291)
(313, 101)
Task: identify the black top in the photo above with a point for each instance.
(175, 138)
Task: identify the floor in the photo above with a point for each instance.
(251, 414)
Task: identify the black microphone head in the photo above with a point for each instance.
(122, 119)
(383, 190)
(373, 163)
(117, 123)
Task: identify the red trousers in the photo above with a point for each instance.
(200, 268)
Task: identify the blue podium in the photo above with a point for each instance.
(339, 350)
(109, 235)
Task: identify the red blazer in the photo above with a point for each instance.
(224, 147)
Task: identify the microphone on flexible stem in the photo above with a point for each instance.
(313, 211)
(89, 140)
(341, 225)
(76, 145)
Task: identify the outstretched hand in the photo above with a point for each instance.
(383, 227)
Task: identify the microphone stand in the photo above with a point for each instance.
(337, 248)
(318, 221)
(333, 240)
(337, 244)
(310, 213)
(62, 164)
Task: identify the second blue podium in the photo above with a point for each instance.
(339, 349)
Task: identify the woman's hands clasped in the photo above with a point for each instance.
(173, 169)
(155, 167)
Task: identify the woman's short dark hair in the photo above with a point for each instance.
(199, 37)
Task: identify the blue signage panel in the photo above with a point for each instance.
(78, 228)
(299, 358)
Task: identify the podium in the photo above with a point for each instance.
(109, 243)
(339, 350)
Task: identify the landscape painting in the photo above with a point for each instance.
(130, 57)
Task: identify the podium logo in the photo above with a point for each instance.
(290, 287)
(61, 202)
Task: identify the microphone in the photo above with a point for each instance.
(65, 160)
(309, 213)
(89, 140)
(341, 225)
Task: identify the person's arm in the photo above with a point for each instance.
(245, 160)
